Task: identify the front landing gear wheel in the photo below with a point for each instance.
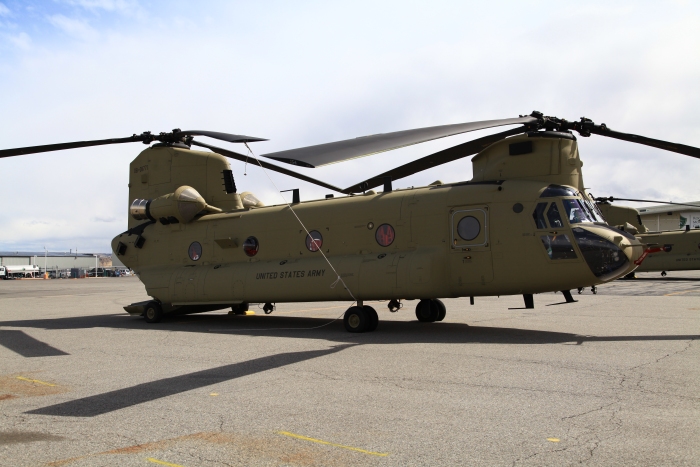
(356, 319)
(153, 313)
(663, 273)
(427, 311)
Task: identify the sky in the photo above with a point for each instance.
(309, 72)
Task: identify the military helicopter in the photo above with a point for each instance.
(522, 225)
(671, 250)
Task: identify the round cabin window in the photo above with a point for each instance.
(314, 241)
(251, 246)
(385, 235)
(195, 251)
(468, 228)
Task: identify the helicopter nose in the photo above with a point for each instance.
(610, 253)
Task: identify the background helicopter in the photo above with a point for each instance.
(522, 225)
(672, 250)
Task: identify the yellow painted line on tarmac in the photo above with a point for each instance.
(679, 293)
(320, 441)
(35, 381)
(156, 461)
(553, 440)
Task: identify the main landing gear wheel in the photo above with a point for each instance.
(428, 311)
(355, 319)
(373, 318)
(442, 309)
(361, 319)
(239, 309)
(153, 313)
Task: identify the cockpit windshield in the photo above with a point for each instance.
(594, 211)
(576, 213)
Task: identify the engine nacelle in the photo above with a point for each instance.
(182, 206)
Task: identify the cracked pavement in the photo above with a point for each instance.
(609, 380)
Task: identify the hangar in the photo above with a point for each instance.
(671, 217)
(56, 262)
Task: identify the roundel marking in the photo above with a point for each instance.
(314, 240)
(385, 235)
(251, 246)
(194, 251)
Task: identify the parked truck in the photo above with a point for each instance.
(15, 271)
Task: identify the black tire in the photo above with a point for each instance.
(427, 311)
(356, 319)
(442, 309)
(153, 313)
(373, 318)
(239, 309)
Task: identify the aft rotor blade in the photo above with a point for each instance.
(655, 143)
(443, 157)
(611, 199)
(224, 136)
(61, 146)
(267, 165)
(329, 153)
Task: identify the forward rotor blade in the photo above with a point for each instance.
(611, 199)
(224, 136)
(267, 165)
(428, 162)
(329, 153)
(655, 143)
(61, 146)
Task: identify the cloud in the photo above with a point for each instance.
(4, 11)
(123, 7)
(21, 40)
(105, 219)
(76, 28)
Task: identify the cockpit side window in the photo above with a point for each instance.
(554, 217)
(575, 211)
(538, 215)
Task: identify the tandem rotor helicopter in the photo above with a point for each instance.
(676, 250)
(523, 225)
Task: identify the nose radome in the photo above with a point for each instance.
(610, 253)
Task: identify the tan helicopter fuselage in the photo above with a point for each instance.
(428, 255)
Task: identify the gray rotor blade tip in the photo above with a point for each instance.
(223, 136)
(329, 153)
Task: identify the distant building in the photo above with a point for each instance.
(670, 217)
(54, 260)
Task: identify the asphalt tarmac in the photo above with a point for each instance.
(610, 380)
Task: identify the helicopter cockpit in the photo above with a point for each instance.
(605, 249)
